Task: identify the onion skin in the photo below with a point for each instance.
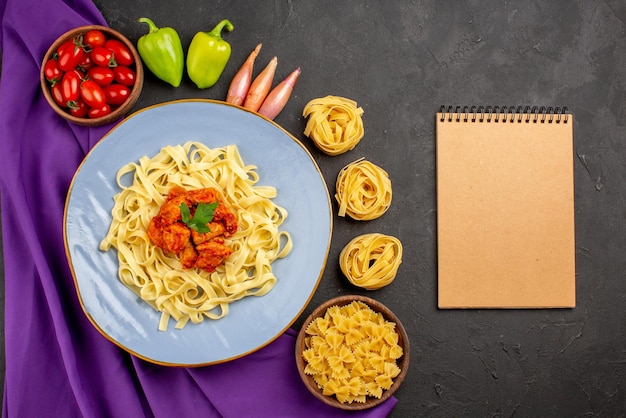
(240, 84)
(260, 86)
(279, 96)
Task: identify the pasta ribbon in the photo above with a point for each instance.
(371, 261)
(348, 360)
(335, 124)
(193, 295)
(363, 191)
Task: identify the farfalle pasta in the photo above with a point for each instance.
(335, 124)
(371, 261)
(351, 352)
(363, 191)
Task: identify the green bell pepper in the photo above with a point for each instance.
(162, 52)
(207, 55)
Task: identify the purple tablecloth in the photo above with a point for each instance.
(57, 363)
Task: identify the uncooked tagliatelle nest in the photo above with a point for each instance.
(363, 191)
(334, 124)
(371, 261)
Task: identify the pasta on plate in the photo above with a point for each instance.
(159, 278)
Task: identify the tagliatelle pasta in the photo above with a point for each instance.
(335, 124)
(351, 352)
(363, 191)
(371, 261)
(159, 278)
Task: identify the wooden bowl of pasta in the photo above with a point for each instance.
(352, 352)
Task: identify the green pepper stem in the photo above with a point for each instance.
(217, 30)
(153, 27)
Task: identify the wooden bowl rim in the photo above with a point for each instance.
(119, 111)
(403, 362)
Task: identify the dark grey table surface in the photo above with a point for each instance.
(400, 61)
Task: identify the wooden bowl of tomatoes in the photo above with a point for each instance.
(92, 75)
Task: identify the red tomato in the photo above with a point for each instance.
(116, 94)
(124, 75)
(79, 109)
(101, 75)
(67, 44)
(103, 57)
(92, 94)
(52, 72)
(86, 63)
(94, 38)
(70, 86)
(57, 94)
(70, 54)
(95, 112)
(121, 53)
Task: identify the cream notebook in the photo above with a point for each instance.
(505, 208)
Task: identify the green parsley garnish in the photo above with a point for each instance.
(203, 215)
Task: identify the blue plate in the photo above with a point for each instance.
(253, 322)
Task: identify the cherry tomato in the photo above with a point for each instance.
(101, 75)
(79, 109)
(92, 94)
(121, 53)
(52, 72)
(67, 44)
(57, 94)
(116, 94)
(103, 57)
(95, 112)
(70, 54)
(86, 63)
(124, 75)
(94, 38)
(70, 86)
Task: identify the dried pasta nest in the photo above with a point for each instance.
(352, 352)
(371, 261)
(363, 191)
(335, 124)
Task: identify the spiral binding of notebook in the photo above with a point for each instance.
(519, 114)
